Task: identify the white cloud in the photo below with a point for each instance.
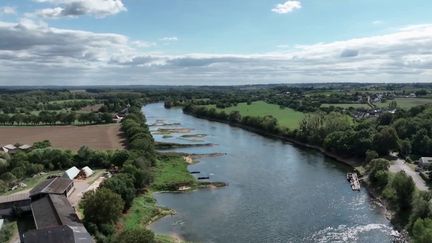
(287, 7)
(7, 10)
(169, 38)
(73, 8)
(34, 53)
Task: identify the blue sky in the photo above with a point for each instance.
(221, 42)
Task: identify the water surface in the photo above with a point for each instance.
(277, 192)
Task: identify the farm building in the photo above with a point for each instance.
(25, 147)
(86, 172)
(54, 218)
(71, 173)
(9, 148)
(425, 162)
(7, 203)
(57, 185)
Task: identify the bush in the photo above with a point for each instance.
(135, 236)
(102, 207)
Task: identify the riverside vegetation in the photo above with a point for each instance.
(408, 132)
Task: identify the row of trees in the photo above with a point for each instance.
(23, 101)
(54, 118)
(266, 123)
(104, 207)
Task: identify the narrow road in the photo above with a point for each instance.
(400, 165)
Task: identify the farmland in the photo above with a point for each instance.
(404, 103)
(66, 137)
(286, 117)
(407, 103)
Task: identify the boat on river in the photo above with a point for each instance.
(354, 181)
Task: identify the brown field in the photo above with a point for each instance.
(66, 137)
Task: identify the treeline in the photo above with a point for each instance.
(27, 101)
(24, 164)
(54, 118)
(103, 208)
(407, 132)
(266, 123)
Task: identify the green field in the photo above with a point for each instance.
(404, 103)
(69, 101)
(286, 117)
(407, 103)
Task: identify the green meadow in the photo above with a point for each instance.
(286, 117)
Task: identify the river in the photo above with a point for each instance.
(277, 192)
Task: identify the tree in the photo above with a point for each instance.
(234, 116)
(123, 185)
(140, 235)
(370, 155)
(422, 230)
(8, 177)
(385, 119)
(119, 157)
(404, 187)
(392, 105)
(102, 206)
(386, 140)
(405, 148)
(141, 177)
(378, 175)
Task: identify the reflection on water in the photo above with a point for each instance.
(277, 192)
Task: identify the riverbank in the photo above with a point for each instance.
(170, 175)
(354, 163)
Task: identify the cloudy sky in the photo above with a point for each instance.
(104, 42)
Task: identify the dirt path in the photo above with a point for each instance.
(400, 165)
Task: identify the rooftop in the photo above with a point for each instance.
(14, 197)
(64, 234)
(426, 160)
(57, 185)
(52, 211)
(71, 173)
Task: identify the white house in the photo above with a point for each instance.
(86, 171)
(425, 162)
(71, 173)
(9, 148)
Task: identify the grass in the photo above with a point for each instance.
(170, 170)
(286, 117)
(170, 173)
(407, 103)
(32, 181)
(68, 101)
(143, 211)
(7, 231)
(96, 174)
